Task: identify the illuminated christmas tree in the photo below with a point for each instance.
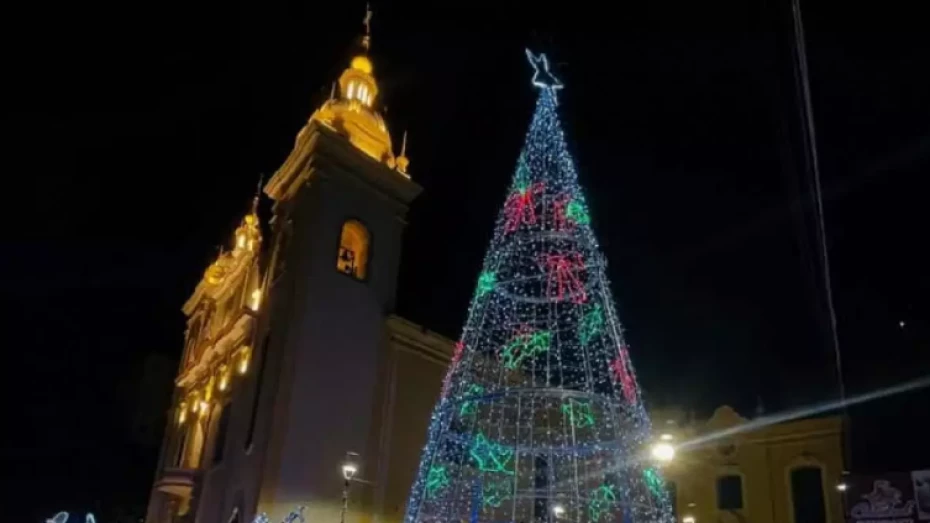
(540, 416)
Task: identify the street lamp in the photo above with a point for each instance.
(663, 452)
(349, 470)
(842, 487)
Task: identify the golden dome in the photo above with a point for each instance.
(361, 63)
(353, 112)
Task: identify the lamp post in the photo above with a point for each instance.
(349, 469)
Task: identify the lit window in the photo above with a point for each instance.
(242, 366)
(353, 250)
(223, 380)
(255, 299)
(351, 90)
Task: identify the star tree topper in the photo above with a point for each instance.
(542, 77)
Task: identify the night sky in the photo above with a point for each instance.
(141, 129)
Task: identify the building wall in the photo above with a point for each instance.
(763, 457)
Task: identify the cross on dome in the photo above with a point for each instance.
(542, 77)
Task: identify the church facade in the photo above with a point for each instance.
(292, 358)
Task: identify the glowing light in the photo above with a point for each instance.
(602, 501)
(541, 397)
(294, 515)
(543, 78)
(688, 519)
(491, 457)
(663, 452)
(243, 365)
(361, 63)
(901, 324)
(523, 346)
(563, 279)
(666, 437)
(62, 517)
(576, 212)
(350, 466)
(182, 413)
(495, 492)
(437, 480)
(256, 299)
(654, 481)
(579, 413)
(223, 382)
(842, 487)
(470, 406)
(591, 325)
(623, 375)
(486, 283)
(558, 510)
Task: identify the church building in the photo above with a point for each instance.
(292, 358)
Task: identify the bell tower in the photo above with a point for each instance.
(340, 201)
(293, 358)
(339, 205)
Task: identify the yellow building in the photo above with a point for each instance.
(736, 472)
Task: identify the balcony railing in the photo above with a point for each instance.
(178, 482)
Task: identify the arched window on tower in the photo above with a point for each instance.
(354, 246)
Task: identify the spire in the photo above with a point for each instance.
(366, 40)
(352, 109)
(258, 194)
(542, 77)
(402, 161)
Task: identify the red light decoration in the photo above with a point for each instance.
(562, 277)
(520, 207)
(620, 367)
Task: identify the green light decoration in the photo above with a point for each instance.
(602, 501)
(654, 481)
(579, 413)
(436, 479)
(523, 346)
(577, 212)
(486, 283)
(490, 457)
(494, 493)
(470, 406)
(521, 181)
(591, 324)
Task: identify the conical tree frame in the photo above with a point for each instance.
(540, 413)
